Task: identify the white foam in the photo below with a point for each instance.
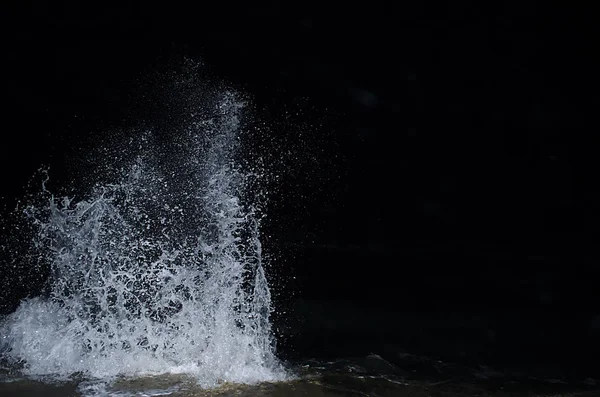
(159, 271)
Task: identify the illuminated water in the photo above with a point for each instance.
(367, 376)
(157, 270)
(157, 284)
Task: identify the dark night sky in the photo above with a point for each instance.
(453, 143)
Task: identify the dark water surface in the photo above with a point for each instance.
(366, 376)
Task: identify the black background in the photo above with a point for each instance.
(441, 194)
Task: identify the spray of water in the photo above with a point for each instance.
(158, 271)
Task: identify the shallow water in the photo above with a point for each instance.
(369, 376)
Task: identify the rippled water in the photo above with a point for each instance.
(368, 376)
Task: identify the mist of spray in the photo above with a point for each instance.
(158, 270)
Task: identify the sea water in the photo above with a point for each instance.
(156, 283)
(157, 270)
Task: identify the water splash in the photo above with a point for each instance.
(158, 271)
